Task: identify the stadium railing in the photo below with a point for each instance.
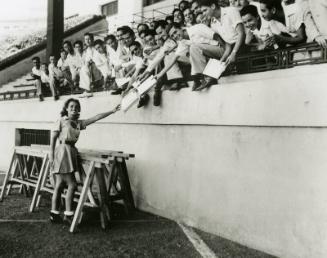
(252, 62)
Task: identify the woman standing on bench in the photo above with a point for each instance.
(63, 158)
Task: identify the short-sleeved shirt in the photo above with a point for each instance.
(273, 27)
(36, 71)
(294, 16)
(76, 62)
(201, 34)
(167, 47)
(318, 9)
(68, 129)
(63, 64)
(226, 27)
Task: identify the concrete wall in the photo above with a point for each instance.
(245, 160)
(25, 66)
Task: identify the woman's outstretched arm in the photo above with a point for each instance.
(101, 116)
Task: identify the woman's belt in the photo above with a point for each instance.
(71, 143)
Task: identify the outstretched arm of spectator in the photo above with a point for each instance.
(299, 38)
(240, 41)
(167, 67)
(228, 50)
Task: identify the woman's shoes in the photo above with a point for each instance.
(55, 218)
(68, 219)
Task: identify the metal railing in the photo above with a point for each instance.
(260, 61)
(253, 62)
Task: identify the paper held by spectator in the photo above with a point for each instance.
(134, 95)
(214, 68)
(121, 81)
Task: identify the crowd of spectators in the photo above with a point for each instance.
(181, 44)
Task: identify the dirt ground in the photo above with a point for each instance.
(24, 234)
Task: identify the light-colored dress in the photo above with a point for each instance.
(66, 154)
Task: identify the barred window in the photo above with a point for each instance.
(110, 8)
(26, 137)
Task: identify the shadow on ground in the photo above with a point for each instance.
(24, 234)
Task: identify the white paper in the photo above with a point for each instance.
(134, 95)
(214, 68)
(121, 81)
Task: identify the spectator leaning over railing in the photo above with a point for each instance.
(281, 35)
(140, 65)
(164, 54)
(181, 54)
(229, 29)
(36, 75)
(255, 36)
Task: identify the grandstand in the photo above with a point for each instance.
(244, 159)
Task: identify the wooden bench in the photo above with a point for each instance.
(103, 177)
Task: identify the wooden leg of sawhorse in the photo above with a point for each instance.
(102, 197)
(83, 196)
(43, 181)
(38, 184)
(126, 187)
(5, 182)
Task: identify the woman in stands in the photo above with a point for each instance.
(178, 17)
(63, 158)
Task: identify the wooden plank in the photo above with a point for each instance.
(6, 179)
(38, 184)
(82, 199)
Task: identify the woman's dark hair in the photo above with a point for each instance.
(64, 108)
(181, 13)
(79, 43)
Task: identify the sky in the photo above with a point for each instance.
(33, 9)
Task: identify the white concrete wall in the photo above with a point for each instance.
(25, 66)
(245, 160)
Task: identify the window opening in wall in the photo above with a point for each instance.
(26, 137)
(110, 8)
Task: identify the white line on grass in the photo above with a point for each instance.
(197, 242)
(23, 220)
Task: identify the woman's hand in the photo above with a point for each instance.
(117, 108)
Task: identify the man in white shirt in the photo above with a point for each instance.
(36, 75)
(102, 61)
(90, 76)
(318, 9)
(76, 62)
(228, 25)
(165, 54)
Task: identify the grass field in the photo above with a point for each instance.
(24, 234)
